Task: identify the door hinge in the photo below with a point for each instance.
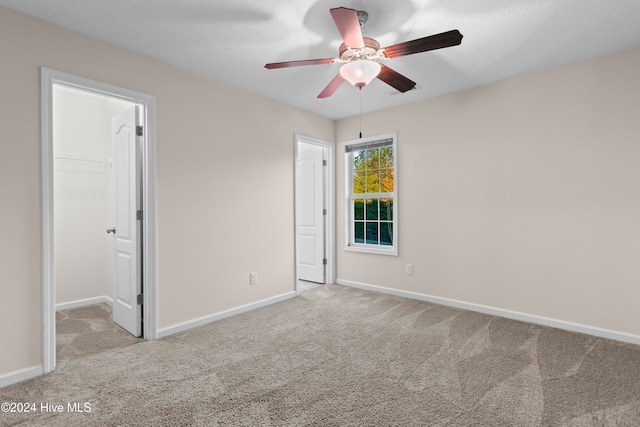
(139, 300)
(324, 211)
(139, 215)
(324, 163)
(139, 131)
(324, 261)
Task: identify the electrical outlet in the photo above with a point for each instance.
(408, 269)
(253, 278)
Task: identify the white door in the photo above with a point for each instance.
(126, 199)
(310, 213)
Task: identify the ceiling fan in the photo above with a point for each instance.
(360, 54)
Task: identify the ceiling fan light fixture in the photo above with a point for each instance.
(360, 72)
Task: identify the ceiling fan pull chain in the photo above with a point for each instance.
(360, 90)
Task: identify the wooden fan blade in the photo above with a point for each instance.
(299, 63)
(395, 79)
(436, 41)
(331, 87)
(347, 22)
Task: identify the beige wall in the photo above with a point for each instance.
(523, 195)
(224, 182)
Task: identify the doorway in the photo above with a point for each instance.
(314, 212)
(83, 195)
(95, 174)
(52, 80)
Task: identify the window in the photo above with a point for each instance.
(371, 197)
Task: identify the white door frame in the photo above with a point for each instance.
(48, 78)
(330, 203)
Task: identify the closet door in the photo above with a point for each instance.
(127, 310)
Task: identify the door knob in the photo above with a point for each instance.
(111, 230)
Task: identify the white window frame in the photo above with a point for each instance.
(349, 233)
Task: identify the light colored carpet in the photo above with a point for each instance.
(88, 330)
(338, 356)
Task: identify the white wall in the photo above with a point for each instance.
(82, 195)
(523, 195)
(224, 183)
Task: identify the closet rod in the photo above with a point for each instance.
(81, 158)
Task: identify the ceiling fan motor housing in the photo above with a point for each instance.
(369, 51)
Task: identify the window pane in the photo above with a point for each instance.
(358, 209)
(372, 233)
(359, 232)
(359, 160)
(386, 209)
(373, 181)
(359, 182)
(372, 209)
(386, 181)
(386, 157)
(386, 233)
(373, 159)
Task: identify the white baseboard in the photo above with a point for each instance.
(530, 318)
(185, 326)
(21, 375)
(83, 302)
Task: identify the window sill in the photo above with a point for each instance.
(393, 251)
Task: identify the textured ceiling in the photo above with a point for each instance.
(231, 40)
